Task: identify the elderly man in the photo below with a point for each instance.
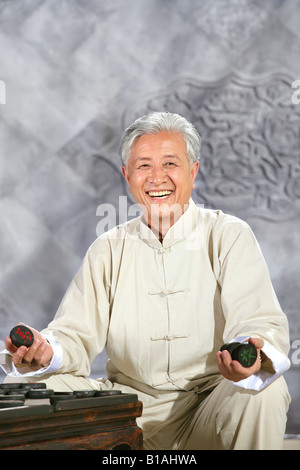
(162, 293)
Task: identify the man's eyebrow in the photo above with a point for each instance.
(171, 156)
(147, 159)
(168, 155)
(138, 159)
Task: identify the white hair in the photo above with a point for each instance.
(156, 122)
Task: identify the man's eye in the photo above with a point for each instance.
(170, 164)
(145, 165)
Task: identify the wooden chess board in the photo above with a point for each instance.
(58, 421)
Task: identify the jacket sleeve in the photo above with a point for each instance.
(249, 303)
(81, 322)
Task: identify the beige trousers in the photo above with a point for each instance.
(228, 417)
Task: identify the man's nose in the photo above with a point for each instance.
(157, 175)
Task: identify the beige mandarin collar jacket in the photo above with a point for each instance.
(163, 310)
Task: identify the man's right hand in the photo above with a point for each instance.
(37, 356)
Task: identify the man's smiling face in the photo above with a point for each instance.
(159, 174)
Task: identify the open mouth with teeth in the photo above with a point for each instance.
(159, 194)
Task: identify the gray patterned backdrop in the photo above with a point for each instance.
(78, 71)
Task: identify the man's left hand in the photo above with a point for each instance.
(233, 370)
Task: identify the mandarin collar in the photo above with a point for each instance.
(179, 231)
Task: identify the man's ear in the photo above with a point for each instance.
(194, 171)
(126, 175)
